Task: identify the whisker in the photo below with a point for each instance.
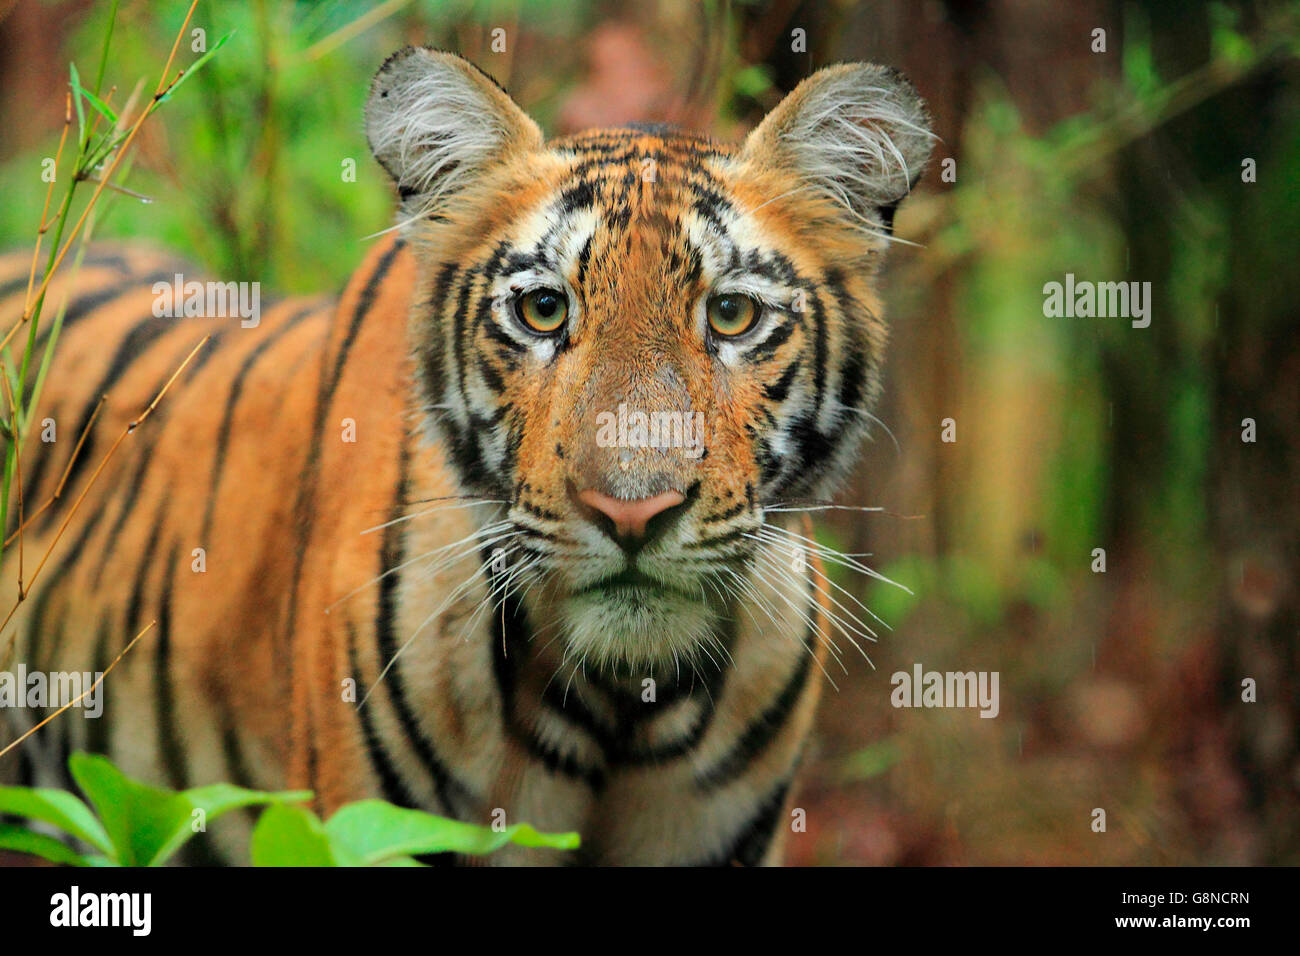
(863, 624)
(489, 529)
(831, 554)
(821, 508)
(429, 511)
(821, 634)
(862, 411)
(844, 628)
(456, 592)
(806, 617)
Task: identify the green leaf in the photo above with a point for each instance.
(872, 760)
(375, 831)
(14, 837)
(194, 67)
(58, 808)
(76, 101)
(148, 825)
(79, 91)
(102, 108)
(752, 81)
(140, 820)
(293, 836)
(218, 799)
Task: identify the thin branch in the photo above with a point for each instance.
(346, 32)
(131, 426)
(58, 491)
(49, 192)
(72, 703)
(162, 89)
(121, 189)
(18, 476)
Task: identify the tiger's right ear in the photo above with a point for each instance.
(855, 132)
(435, 122)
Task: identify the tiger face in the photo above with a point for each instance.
(641, 343)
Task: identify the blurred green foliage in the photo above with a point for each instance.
(129, 823)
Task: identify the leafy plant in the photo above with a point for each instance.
(376, 833)
(129, 823)
(100, 155)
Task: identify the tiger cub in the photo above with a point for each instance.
(511, 530)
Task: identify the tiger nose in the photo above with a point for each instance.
(630, 518)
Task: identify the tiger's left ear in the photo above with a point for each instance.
(857, 132)
(436, 122)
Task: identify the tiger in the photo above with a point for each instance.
(416, 542)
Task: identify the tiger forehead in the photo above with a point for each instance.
(623, 145)
(623, 170)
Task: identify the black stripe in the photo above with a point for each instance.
(737, 509)
(309, 476)
(134, 483)
(778, 390)
(134, 606)
(465, 285)
(761, 731)
(89, 303)
(237, 770)
(129, 349)
(364, 304)
(813, 447)
(394, 788)
(727, 537)
(775, 339)
(171, 752)
(852, 379)
(577, 198)
(36, 623)
(232, 400)
(750, 845)
(819, 346)
(509, 644)
(432, 362)
(97, 733)
(584, 260)
(450, 791)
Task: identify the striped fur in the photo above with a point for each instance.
(504, 655)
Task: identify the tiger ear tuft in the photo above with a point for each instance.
(435, 122)
(857, 132)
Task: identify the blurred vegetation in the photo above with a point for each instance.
(129, 823)
(1120, 690)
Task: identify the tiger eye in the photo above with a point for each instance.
(542, 310)
(732, 313)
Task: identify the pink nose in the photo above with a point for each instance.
(630, 517)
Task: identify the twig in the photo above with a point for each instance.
(131, 426)
(66, 471)
(159, 92)
(72, 703)
(346, 32)
(49, 192)
(18, 476)
(121, 189)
